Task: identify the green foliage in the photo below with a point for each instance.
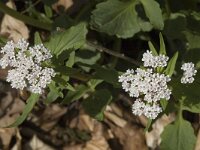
(188, 94)
(72, 38)
(88, 74)
(116, 11)
(96, 103)
(178, 136)
(171, 65)
(153, 12)
(152, 49)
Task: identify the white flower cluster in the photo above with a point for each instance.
(26, 65)
(147, 86)
(189, 72)
(154, 61)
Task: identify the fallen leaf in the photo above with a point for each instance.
(51, 115)
(98, 141)
(153, 137)
(62, 3)
(10, 109)
(37, 144)
(12, 28)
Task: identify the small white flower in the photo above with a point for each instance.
(148, 86)
(138, 107)
(154, 61)
(27, 71)
(189, 72)
(150, 111)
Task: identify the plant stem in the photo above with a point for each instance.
(28, 20)
(113, 53)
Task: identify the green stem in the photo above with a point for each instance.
(180, 110)
(167, 7)
(116, 47)
(28, 20)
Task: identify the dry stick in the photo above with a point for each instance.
(113, 53)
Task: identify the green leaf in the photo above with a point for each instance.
(71, 60)
(163, 103)
(54, 93)
(37, 39)
(171, 65)
(178, 136)
(188, 94)
(72, 38)
(193, 39)
(154, 13)
(175, 25)
(48, 11)
(152, 49)
(71, 96)
(149, 123)
(162, 45)
(87, 56)
(29, 106)
(118, 18)
(108, 75)
(96, 103)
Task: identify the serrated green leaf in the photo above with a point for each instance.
(72, 38)
(154, 13)
(171, 65)
(162, 45)
(121, 18)
(96, 103)
(152, 49)
(29, 106)
(178, 136)
(37, 39)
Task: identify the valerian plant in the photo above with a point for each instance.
(73, 63)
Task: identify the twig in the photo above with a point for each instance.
(113, 53)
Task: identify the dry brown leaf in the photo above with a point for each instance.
(62, 3)
(50, 116)
(12, 28)
(197, 147)
(37, 144)
(153, 138)
(98, 141)
(17, 145)
(115, 119)
(11, 107)
(73, 147)
(131, 137)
